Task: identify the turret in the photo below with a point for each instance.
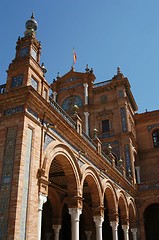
(25, 68)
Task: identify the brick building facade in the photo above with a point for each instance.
(76, 159)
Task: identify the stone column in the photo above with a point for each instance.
(56, 231)
(114, 225)
(86, 122)
(138, 174)
(126, 231)
(132, 161)
(42, 200)
(55, 96)
(98, 222)
(88, 234)
(134, 233)
(85, 93)
(75, 214)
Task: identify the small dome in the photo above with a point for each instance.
(31, 25)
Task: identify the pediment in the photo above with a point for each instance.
(105, 114)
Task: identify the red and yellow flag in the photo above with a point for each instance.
(74, 56)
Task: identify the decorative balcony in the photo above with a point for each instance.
(146, 186)
(100, 84)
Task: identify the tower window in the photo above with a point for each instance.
(17, 81)
(105, 126)
(45, 94)
(69, 102)
(123, 119)
(121, 93)
(34, 84)
(155, 137)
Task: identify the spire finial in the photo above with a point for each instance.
(118, 70)
(43, 69)
(31, 26)
(32, 16)
(87, 68)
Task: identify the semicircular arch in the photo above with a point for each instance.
(92, 178)
(132, 212)
(123, 206)
(67, 160)
(146, 203)
(111, 196)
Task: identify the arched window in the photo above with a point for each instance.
(69, 102)
(155, 136)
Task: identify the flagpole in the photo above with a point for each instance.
(74, 59)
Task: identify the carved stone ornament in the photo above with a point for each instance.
(105, 114)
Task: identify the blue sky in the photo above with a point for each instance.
(104, 33)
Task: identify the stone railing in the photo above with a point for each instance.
(89, 140)
(105, 156)
(148, 186)
(62, 113)
(101, 84)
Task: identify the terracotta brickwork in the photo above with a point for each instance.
(82, 150)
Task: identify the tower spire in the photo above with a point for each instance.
(31, 26)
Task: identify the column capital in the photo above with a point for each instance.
(42, 200)
(114, 224)
(85, 85)
(125, 227)
(54, 93)
(133, 230)
(75, 213)
(86, 114)
(98, 220)
(56, 231)
(56, 227)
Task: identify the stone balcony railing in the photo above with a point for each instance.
(101, 84)
(146, 186)
(72, 124)
(89, 140)
(62, 113)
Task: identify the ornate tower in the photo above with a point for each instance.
(25, 69)
(21, 111)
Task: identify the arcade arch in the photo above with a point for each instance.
(71, 190)
(63, 173)
(151, 219)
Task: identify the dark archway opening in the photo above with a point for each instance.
(82, 235)
(151, 220)
(120, 230)
(65, 232)
(46, 228)
(106, 228)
